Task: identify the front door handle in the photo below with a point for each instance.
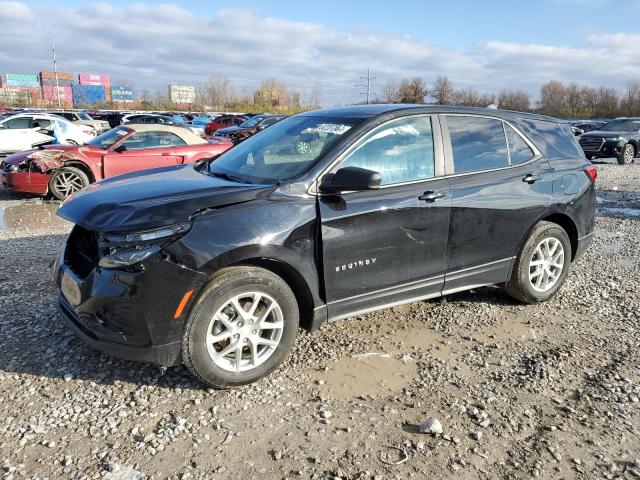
(531, 178)
(430, 196)
(167, 154)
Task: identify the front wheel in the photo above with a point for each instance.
(241, 327)
(627, 154)
(67, 181)
(542, 265)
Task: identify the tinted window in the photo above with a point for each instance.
(624, 125)
(519, 151)
(22, 122)
(283, 151)
(558, 138)
(477, 143)
(401, 151)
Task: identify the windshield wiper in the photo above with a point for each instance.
(229, 177)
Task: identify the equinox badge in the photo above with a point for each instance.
(356, 264)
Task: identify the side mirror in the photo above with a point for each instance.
(120, 149)
(350, 179)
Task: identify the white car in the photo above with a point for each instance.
(28, 130)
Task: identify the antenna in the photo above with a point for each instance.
(368, 78)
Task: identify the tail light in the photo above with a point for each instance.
(591, 172)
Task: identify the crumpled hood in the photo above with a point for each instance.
(152, 198)
(602, 134)
(74, 150)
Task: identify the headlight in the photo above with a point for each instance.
(134, 247)
(617, 139)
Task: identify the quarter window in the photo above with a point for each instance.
(519, 151)
(401, 151)
(477, 143)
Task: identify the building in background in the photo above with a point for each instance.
(20, 90)
(182, 94)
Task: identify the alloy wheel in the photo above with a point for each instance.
(67, 183)
(244, 332)
(303, 147)
(628, 154)
(546, 264)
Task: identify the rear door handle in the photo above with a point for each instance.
(430, 196)
(531, 178)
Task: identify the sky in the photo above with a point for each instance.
(487, 45)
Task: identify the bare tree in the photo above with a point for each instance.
(574, 100)
(411, 90)
(472, 98)
(608, 103)
(589, 100)
(315, 96)
(272, 93)
(552, 98)
(630, 103)
(517, 100)
(442, 90)
(389, 91)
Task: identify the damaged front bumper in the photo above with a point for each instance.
(128, 313)
(31, 172)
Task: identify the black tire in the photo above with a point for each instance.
(519, 285)
(226, 284)
(627, 155)
(55, 183)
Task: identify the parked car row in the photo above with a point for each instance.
(619, 138)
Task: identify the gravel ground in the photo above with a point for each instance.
(513, 391)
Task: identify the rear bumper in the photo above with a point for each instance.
(583, 245)
(28, 182)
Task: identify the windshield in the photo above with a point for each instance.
(84, 116)
(107, 139)
(252, 122)
(281, 152)
(622, 125)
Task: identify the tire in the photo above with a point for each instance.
(530, 270)
(207, 333)
(627, 155)
(66, 181)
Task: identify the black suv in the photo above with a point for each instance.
(217, 265)
(619, 138)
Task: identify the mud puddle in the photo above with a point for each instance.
(33, 216)
(374, 373)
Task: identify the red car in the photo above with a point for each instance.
(64, 169)
(223, 122)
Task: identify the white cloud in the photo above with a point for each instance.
(152, 45)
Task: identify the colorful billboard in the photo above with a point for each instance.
(121, 93)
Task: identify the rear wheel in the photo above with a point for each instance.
(241, 327)
(67, 181)
(542, 265)
(627, 154)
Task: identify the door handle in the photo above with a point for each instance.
(531, 178)
(167, 154)
(430, 196)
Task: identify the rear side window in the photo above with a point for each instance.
(558, 138)
(477, 143)
(401, 151)
(519, 151)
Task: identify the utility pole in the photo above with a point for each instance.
(55, 72)
(368, 78)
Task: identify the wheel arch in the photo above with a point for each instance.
(568, 225)
(81, 166)
(294, 271)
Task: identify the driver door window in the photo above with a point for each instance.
(401, 151)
